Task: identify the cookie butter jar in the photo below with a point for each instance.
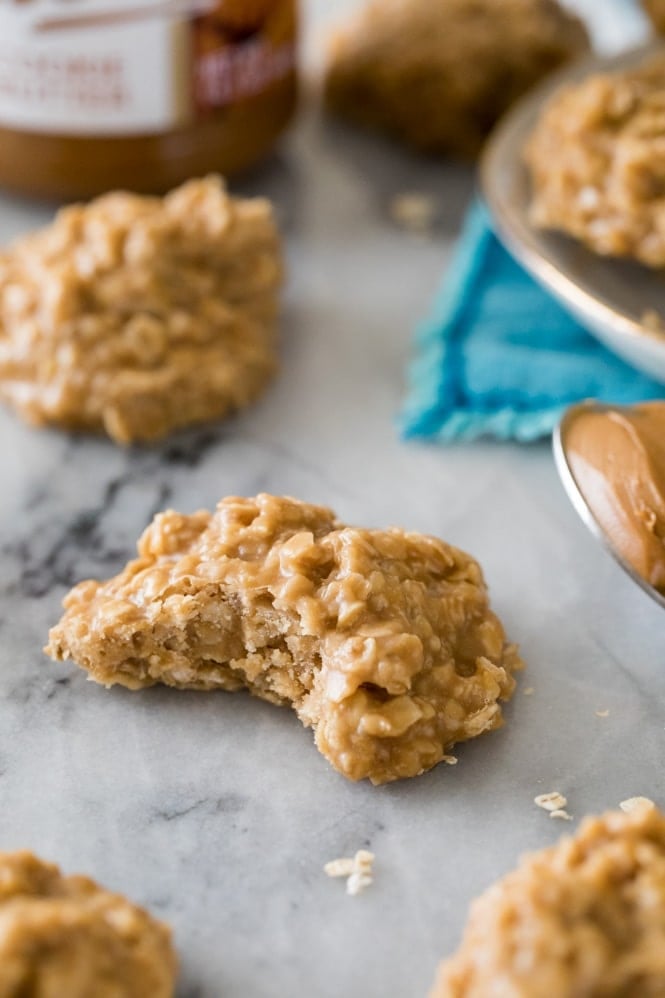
(140, 94)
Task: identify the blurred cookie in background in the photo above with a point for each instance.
(585, 917)
(134, 316)
(67, 936)
(438, 76)
(597, 163)
(656, 11)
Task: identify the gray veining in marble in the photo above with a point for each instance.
(216, 811)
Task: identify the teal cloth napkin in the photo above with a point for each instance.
(499, 357)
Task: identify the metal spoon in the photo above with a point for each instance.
(578, 498)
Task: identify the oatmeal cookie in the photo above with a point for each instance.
(66, 937)
(381, 640)
(656, 11)
(136, 315)
(597, 163)
(582, 919)
(437, 76)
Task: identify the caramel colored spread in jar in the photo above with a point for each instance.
(140, 94)
(618, 459)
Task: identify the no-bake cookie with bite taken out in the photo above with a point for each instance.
(438, 75)
(597, 163)
(136, 316)
(582, 919)
(382, 641)
(66, 937)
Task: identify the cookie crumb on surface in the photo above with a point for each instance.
(339, 867)
(414, 212)
(450, 760)
(636, 804)
(602, 713)
(529, 691)
(357, 870)
(653, 320)
(561, 813)
(553, 801)
(357, 883)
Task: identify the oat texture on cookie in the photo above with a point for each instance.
(66, 937)
(585, 917)
(597, 163)
(382, 640)
(135, 316)
(437, 76)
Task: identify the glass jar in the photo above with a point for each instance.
(140, 94)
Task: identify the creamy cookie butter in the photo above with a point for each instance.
(617, 457)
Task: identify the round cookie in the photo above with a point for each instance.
(583, 918)
(68, 937)
(136, 316)
(382, 641)
(436, 75)
(597, 163)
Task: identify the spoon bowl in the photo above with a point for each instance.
(576, 495)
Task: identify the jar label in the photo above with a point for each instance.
(114, 67)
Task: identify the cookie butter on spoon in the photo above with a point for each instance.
(612, 461)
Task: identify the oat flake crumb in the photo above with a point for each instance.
(602, 713)
(653, 320)
(339, 867)
(529, 691)
(358, 871)
(414, 212)
(553, 801)
(357, 883)
(636, 804)
(561, 813)
(450, 760)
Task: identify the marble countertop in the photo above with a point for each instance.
(216, 811)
